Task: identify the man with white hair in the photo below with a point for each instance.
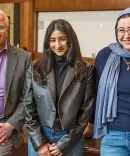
(14, 63)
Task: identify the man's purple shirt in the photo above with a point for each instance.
(3, 61)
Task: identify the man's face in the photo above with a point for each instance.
(3, 31)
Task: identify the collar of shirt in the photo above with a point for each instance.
(5, 48)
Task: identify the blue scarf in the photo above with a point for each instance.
(106, 103)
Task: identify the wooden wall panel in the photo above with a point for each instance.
(80, 5)
(26, 22)
(27, 25)
(122, 3)
(10, 1)
(37, 55)
(88, 59)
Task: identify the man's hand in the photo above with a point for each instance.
(55, 150)
(5, 131)
(43, 150)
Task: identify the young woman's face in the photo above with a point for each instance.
(58, 43)
(123, 33)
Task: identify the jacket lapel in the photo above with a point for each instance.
(52, 85)
(68, 79)
(11, 65)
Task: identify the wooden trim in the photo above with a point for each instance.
(9, 29)
(80, 5)
(11, 1)
(36, 41)
(89, 59)
(37, 55)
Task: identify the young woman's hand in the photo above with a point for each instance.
(55, 150)
(43, 150)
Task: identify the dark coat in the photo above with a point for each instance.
(18, 62)
(74, 106)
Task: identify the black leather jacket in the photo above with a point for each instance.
(74, 106)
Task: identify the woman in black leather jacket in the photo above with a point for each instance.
(60, 93)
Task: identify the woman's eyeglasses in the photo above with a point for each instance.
(122, 31)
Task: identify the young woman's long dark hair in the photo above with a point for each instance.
(74, 58)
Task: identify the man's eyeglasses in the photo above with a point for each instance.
(2, 28)
(122, 31)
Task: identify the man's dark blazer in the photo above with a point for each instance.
(74, 106)
(18, 62)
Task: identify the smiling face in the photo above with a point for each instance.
(58, 43)
(123, 33)
(3, 30)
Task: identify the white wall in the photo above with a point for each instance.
(95, 29)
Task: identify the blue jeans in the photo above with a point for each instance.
(52, 135)
(116, 143)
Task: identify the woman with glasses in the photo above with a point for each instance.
(112, 119)
(59, 95)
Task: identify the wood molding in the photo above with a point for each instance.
(11, 1)
(88, 59)
(37, 55)
(80, 5)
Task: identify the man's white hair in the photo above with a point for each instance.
(6, 18)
